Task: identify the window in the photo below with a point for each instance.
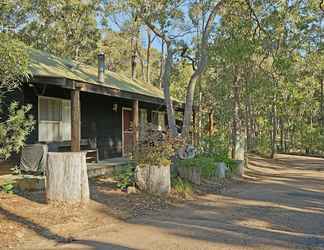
(158, 119)
(54, 119)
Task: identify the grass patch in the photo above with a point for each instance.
(182, 187)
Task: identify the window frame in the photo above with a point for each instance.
(59, 123)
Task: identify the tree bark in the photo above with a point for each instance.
(166, 90)
(274, 131)
(210, 123)
(238, 132)
(67, 178)
(148, 56)
(322, 105)
(162, 64)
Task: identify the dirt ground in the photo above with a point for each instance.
(279, 205)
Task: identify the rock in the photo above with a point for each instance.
(131, 190)
(187, 152)
(153, 179)
(31, 183)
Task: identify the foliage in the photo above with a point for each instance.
(182, 187)
(125, 177)
(155, 148)
(15, 124)
(70, 28)
(8, 187)
(211, 150)
(13, 63)
(215, 146)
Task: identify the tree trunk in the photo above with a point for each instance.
(189, 104)
(322, 105)
(166, 90)
(67, 178)
(274, 128)
(148, 55)
(133, 53)
(282, 135)
(162, 64)
(238, 132)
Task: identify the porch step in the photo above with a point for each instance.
(106, 168)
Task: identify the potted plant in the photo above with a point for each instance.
(152, 156)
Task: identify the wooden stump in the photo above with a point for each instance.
(67, 178)
(153, 179)
(191, 174)
(240, 167)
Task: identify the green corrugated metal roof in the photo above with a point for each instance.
(43, 64)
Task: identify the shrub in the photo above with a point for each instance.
(182, 187)
(8, 187)
(207, 164)
(125, 177)
(155, 148)
(214, 146)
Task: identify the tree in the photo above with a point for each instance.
(156, 16)
(64, 28)
(15, 124)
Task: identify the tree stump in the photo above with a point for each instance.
(153, 179)
(240, 168)
(67, 178)
(191, 174)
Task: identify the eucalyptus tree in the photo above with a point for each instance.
(184, 26)
(64, 28)
(15, 124)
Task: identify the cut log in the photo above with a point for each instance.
(67, 178)
(240, 168)
(153, 179)
(192, 174)
(221, 170)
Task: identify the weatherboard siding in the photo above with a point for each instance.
(98, 119)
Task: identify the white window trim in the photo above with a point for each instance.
(49, 122)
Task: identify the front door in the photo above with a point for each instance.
(127, 131)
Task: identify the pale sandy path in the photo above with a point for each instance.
(280, 205)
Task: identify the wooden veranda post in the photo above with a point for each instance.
(135, 122)
(75, 120)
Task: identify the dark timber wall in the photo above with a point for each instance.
(98, 119)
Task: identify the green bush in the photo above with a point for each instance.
(125, 177)
(207, 164)
(214, 146)
(8, 187)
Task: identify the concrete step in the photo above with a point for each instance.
(106, 168)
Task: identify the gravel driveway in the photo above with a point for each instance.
(279, 205)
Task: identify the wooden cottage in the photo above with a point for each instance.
(77, 106)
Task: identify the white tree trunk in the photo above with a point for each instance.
(67, 178)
